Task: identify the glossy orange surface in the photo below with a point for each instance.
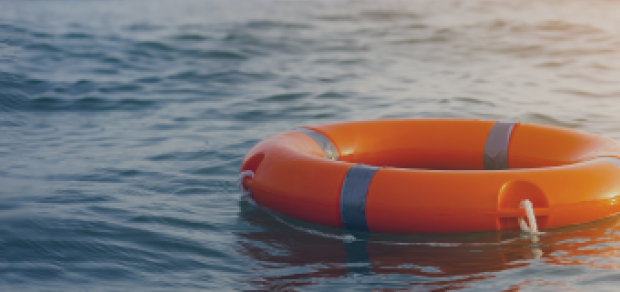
(432, 178)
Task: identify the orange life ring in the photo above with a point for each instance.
(435, 176)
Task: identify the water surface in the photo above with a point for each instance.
(123, 124)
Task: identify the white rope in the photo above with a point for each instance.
(242, 176)
(529, 211)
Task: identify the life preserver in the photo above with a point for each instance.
(435, 176)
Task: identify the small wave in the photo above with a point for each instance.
(20, 32)
(423, 40)
(473, 100)
(48, 103)
(284, 97)
(11, 96)
(173, 222)
(336, 17)
(78, 35)
(76, 88)
(149, 49)
(45, 48)
(330, 95)
(11, 101)
(216, 54)
(590, 94)
(545, 119)
(108, 175)
(194, 37)
(68, 196)
(556, 63)
(388, 15)
(143, 27)
(560, 27)
(9, 79)
(277, 25)
(7, 28)
(154, 46)
(35, 88)
(229, 77)
(148, 80)
(567, 27)
(546, 37)
(121, 87)
(261, 42)
(202, 155)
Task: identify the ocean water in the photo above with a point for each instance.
(123, 124)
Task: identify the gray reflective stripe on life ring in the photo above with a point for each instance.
(613, 160)
(353, 197)
(496, 147)
(329, 149)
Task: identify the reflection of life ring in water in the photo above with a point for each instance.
(435, 176)
(316, 259)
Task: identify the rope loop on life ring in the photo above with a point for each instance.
(529, 212)
(242, 176)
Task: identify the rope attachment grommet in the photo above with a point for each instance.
(242, 176)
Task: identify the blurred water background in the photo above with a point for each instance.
(123, 124)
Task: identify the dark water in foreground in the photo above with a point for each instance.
(123, 123)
